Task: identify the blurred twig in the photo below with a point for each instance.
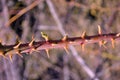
(66, 69)
(23, 11)
(45, 27)
(102, 9)
(113, 17)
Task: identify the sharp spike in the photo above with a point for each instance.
(19, 54)
(99, 30)
(113, 42)
(65, 38)
(31, 50)
(31, 43)
(71, 42)
(66, 49)
(66, 45)
(45, 36)
(83, 34)
(10, 57)
(118, 35)
(53, 44)
(47, 51)
(102, 43)
(17, 45)
(83, 46)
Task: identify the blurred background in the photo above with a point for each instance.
(57, 18)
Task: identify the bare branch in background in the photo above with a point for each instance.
(23, 11)
(74, 52)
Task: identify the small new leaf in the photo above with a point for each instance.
(45, 36)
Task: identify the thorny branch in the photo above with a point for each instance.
(19, 48)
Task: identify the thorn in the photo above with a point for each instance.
(102, 43)
(44, 35)
(47, 51)
(17, 45)
(83, 46)
(19, 54)
(71, 42)
(66, 45)
(113, 42)
(65, 38)
(118, 35)
(31, 43)
(83, 34)
(53, 44)
(66, 49)
(99, 30)
(10, 57)
(31, 50)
